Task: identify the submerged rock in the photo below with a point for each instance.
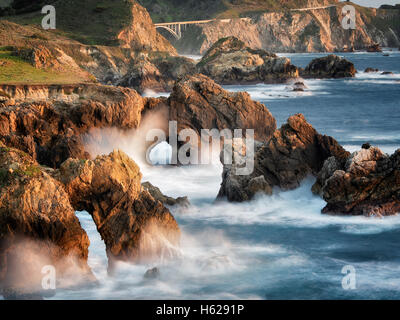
(38, 228)
(152, 274)
(331, 66)
(370, 70)
(134, 226)
(295, 151)
(159, 196)
(229, 61)
(367, 183)
(374, 48)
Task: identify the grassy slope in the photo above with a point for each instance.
(14, 70)
(178, 10)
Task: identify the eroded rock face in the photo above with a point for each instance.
(197, 102)
(331, 66)
(157, 74)
(296, 31)
(295, 151)
(47, 121)
(134, 226)
(38, 227)
(141, 34)
(367, 183)
(229, 61)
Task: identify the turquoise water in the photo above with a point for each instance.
(278, 247)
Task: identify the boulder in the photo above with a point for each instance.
(38, 228)
(197, 102)
(367, 183)
(230, 61)
(159, 196)
(134, 226)
(331, 66)
(294, 152)
(140, 33)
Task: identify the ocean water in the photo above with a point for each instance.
(278, 247)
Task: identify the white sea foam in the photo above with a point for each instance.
(281, 91)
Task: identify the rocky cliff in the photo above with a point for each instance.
(299, 31)
(47, 121)
(38, 227)
(366, 183)
(134, 226)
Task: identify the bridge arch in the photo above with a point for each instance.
(170, 31)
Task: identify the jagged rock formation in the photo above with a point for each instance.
(197, 102)
(166, 200)
(366, 183)
(38, 227)
(133, 225)
(47, 121)
(295, 151)
(229, 61)
(331, 66)
(299, 31)
(157, 74)
(374, 48)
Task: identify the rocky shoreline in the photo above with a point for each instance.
(47, 173)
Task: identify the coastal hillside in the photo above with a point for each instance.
(120, 37)
(317, 30)
(111, 23)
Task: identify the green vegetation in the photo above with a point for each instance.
(91, 22)
(30, 171)
(15, 70)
